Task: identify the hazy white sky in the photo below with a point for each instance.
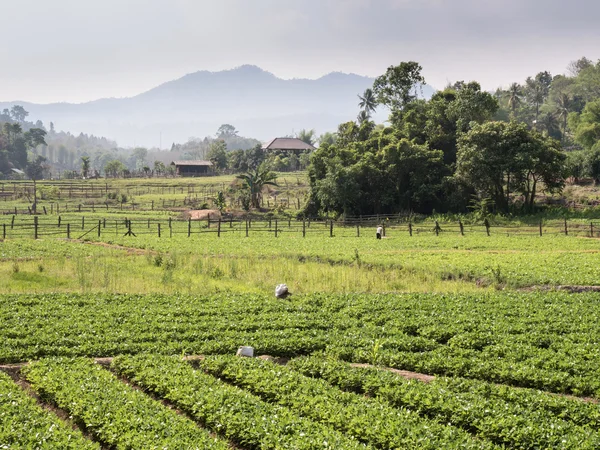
(80, 50)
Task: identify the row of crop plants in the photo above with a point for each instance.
(545, 341)
(312, 402)
(25, 424)
(514, 417)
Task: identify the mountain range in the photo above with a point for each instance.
(256, 102)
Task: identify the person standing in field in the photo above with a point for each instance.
(379, 232)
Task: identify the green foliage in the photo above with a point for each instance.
(234, 413)
(587, 125)
(367, 420)
(217, 154)
(256, 180)
(515, 418)
(498, 158)
(24, 424)
(113, 411)
(397, 87)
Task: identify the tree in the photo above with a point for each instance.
(18, 113)
(218, 155)
(396, 88)
(514, 98)
(549, 124)
(226, 131)
(471, 105)
(563, 105)
(499, 158)
(139, 155)
(114, 168)
(85, 166)
(586, 125)
(575, 67)
(327, 138)
(368, 103)
(363, 116)
(37, 168)
(256, 180)
(537, 90)
(307, 136)
(159, 167)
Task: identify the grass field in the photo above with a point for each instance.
(101, 333)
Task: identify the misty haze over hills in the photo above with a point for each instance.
(256, 102)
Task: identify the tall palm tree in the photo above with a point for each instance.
(514, 98)
(363, 116)
(564, 104)
(256, 181)
(367, 101)
(307, 136)
(535, 94)
(549, 123)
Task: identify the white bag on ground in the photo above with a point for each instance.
(245, 351)
(281, 290)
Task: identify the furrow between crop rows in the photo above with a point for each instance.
(368, 420)
(114, 413)
(517, 418)
(229, 411)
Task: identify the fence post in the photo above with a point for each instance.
(82, 222)
(591, 229)
(189, 227)
(45, 211)
(35, 227)
(437, 228)
(275, 227)
(104, 223)
(159, 230)
(462, 228)
(152, 205)
(246, 227)
(99, 228)
(541, 228)
(357, 230)
(3, 231)
(219, 228)
(303, 228)
(487, 226)
(59, 220)
(410, 229)
(68, 231)
(331, 228)
(148, 223)
(208, 220)
(12, 222)
(566, 229)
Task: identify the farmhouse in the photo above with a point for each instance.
(287, 145)
(192, 168)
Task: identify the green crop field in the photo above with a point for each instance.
(119, 328)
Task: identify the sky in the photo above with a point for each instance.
(82, 50)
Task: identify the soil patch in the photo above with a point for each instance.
(202, 214)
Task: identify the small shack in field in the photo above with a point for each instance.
(193, 168)
(287, 145)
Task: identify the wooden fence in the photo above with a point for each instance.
(36, 227)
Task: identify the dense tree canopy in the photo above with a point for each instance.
(463, 145)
